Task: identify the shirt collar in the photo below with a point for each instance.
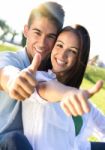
(52, 74)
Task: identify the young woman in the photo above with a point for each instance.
(45, 124)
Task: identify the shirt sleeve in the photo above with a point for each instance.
(8, 58)
(44, 76)
(98, 121)
(38, 98)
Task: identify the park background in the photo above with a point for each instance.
(90, 13)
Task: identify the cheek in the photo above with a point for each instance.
(52, 58)
(53, 54)
(71, 62)
(50, 45)
(54, 51)
(30, 40)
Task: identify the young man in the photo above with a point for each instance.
(17, 80)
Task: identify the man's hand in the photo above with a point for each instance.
(76, 103)
(23, 84)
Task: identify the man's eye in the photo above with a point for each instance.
(37, 33)
(52, 37)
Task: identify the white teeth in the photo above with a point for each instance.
(60, 62)
(39, 50)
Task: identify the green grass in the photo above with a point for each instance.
(92, 75)
(9, 47)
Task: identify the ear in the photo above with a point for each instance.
(25, 32)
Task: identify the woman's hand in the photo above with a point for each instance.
(76, 102)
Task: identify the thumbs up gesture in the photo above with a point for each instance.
(93, 90)
(23, 84)
(35, 63)
(76, 102)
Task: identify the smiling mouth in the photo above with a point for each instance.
(60, 62)
(38, 50)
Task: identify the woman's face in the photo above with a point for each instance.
(65, 51)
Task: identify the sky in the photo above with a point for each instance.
(89, 13)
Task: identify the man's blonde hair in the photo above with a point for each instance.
(51, 10)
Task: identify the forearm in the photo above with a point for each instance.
(73, 101)
(53, 91)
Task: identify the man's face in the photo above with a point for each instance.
(40, 36)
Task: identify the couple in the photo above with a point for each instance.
(17, 82)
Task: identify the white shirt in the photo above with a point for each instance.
(48, 128)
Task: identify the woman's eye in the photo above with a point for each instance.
(60, 45)
(73, 52)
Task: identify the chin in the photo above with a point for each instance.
(57, 71)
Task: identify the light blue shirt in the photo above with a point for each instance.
(10, 110)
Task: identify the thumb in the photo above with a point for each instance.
(90, 92)
(35, 63)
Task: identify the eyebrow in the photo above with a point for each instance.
(60, 41)
(36, 29)
(70, 47)
(75, 48)
(52, 34)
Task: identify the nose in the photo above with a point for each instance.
(42, 42)
(63, 54)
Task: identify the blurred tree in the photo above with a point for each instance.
(94, 60)
(5, 28)
(14, 33)
(3, 24)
